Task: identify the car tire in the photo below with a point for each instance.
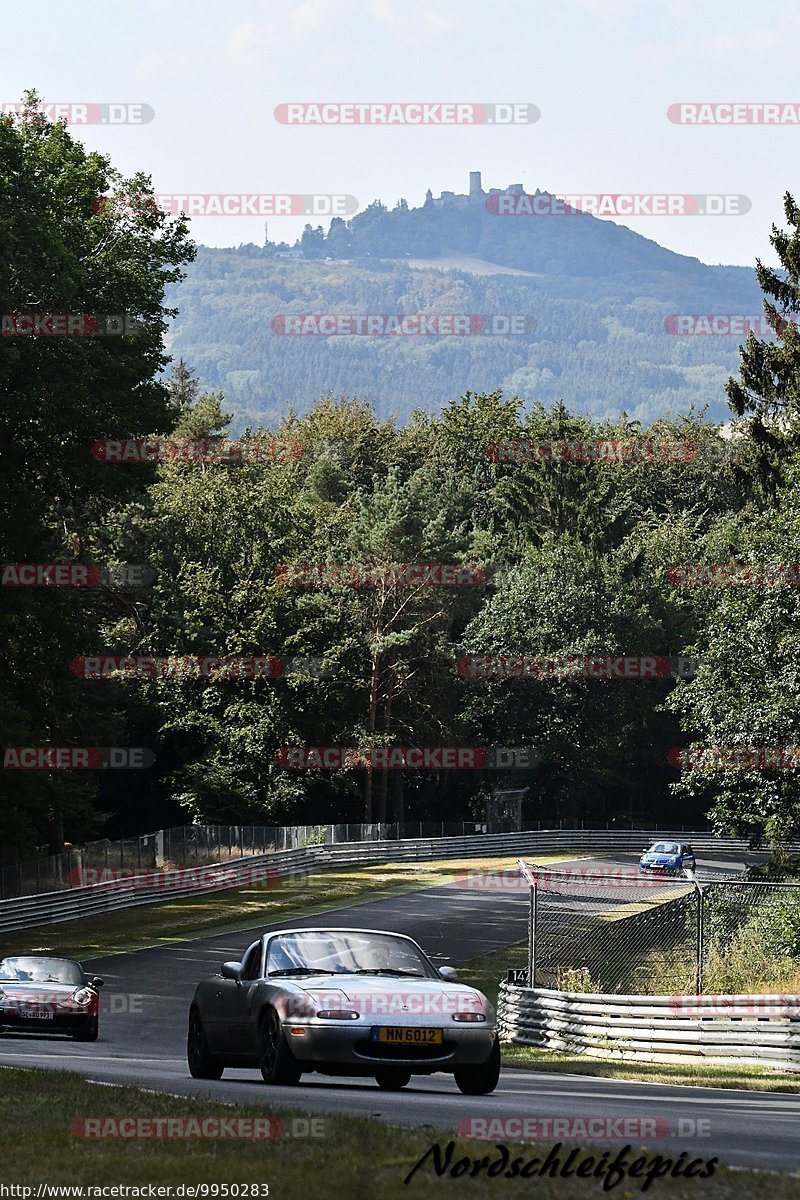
(89, 1032)
(482, 1079)
(277, 1063)
(391, 1079)
(202, 1064)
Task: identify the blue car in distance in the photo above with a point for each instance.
(667, 856)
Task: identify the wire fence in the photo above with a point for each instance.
(620, 931)
(198, 845)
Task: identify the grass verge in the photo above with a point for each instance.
(486, 973)
(242, 908)
(352, 1157)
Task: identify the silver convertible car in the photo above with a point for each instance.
(342, 1002)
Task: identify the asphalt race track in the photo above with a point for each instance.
(147, 995)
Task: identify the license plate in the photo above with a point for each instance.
(30, 1014)
(404, 1035)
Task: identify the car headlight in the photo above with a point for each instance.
(470, 1017)
(82, 997)
(338, 1014)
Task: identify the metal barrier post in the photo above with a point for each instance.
(699, 973)
(532, 939)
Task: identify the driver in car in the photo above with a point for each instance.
(376, 958)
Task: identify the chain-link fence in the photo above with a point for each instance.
(618, 930)
(198, 845)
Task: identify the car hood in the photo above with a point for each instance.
(36, 992)
(383, 994)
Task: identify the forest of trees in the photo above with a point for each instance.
(578, 558)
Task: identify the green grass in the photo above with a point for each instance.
(353, 1157)
(242, 908)
(488, 970)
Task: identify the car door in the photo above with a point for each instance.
(241, 1031)
(216, 1003)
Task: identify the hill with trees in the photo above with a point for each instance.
(596, 296)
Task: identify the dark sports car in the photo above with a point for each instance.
(41, 994)
(342, 1002)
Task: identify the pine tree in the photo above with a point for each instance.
(183, 387)
(768, 390)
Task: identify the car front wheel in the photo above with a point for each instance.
(278, 1064)
(482, 1079)
(202, 1064)
(89, 1031)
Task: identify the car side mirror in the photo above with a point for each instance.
(232, 970)
(97, 982)
(448, 973)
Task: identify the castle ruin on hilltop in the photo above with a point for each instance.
(476, 194)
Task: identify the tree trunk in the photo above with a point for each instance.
(373, 710)
(387, 725)
(399, 800)
(55, 832)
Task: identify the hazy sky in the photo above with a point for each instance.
(602, 72)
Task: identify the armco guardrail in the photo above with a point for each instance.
(28, 912)
(661, 1029)
(129, 891)
(196, 845)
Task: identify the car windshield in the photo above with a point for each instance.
(29, 969)
(343, 952)
(665, 848)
